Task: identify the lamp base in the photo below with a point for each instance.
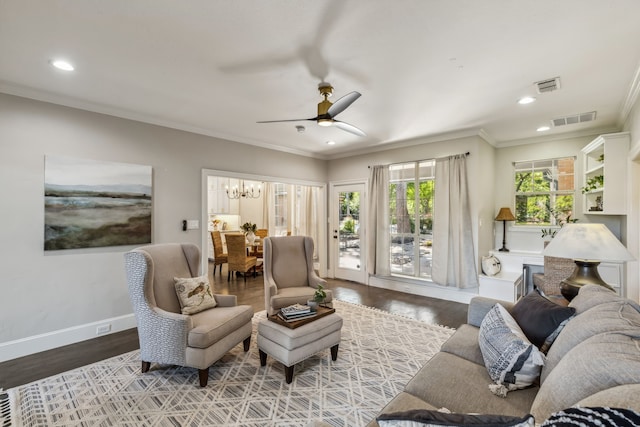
(585, 273)
(503, 249)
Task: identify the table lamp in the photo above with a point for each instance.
(504, 215)
(587, 245)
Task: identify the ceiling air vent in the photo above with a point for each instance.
(573, 119)
(548, 85)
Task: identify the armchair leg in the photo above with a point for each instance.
(203, 375)
(246, 344)
(145, 366)
(228, 275)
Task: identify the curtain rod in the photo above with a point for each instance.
(389, 164)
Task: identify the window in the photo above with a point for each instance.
(411, 194)
(545, 191)
(280, 208)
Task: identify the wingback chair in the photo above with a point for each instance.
(289, 277)
(166, 335)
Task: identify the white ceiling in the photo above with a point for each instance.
(424, 67)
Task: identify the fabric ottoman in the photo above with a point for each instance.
(290, 346)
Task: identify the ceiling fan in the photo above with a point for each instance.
(327, 110)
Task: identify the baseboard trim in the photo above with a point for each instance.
(47, 341)
(424, 289)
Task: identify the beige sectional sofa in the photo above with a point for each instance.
(594, 361)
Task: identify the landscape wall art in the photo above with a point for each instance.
(89, 203)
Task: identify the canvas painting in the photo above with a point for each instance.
(89, 203)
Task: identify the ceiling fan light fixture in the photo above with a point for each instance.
(325, 122)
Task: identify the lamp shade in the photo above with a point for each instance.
(592, 242)
(505, 215)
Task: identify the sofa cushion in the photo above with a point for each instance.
(622, 396)
(449, 381)
(511, 360)
(591, 296)
(210, 326)
(427, 418)
(464, 343)
(596, 417)
(618, 316)
(194, 294)
(540, 319)
(601, 362)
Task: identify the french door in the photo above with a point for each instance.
(347, 242)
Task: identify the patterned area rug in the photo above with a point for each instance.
(379, 353)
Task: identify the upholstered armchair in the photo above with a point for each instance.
(289, 276)
(166, 335)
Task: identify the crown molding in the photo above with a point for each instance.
(592, 133)
(71, 102)
(631, 99)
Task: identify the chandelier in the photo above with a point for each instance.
(247, 193)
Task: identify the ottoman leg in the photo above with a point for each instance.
(288, 373)
(263, 357)
(334, 352)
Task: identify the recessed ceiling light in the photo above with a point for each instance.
(331, 143)
(526, 100)
(61, 64)
(543, 128)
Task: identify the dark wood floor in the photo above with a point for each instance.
(33, 367)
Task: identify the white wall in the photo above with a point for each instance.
(632, 125)
(44, 292)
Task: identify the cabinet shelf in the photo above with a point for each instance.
(606, 156)
(592, 171)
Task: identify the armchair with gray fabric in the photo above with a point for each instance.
(166, 335)
(289, 276)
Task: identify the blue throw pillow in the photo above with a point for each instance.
(540, 319)
(511, 360)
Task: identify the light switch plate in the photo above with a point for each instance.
(193, 224)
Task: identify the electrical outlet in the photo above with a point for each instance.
(103, 329)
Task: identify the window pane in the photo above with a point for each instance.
(544, 191)
(411, 190)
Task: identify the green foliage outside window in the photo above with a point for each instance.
(544, 191)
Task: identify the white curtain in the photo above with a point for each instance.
(378, 222)
(268, 208)
(454, 260)
(307, 215)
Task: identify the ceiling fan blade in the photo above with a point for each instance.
(341, 104)
(313, 119)
(349, 128)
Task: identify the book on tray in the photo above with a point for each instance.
(296, 311)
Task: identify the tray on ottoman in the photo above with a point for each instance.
(292, 324)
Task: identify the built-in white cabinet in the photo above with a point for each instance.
(604, 179)
(510, 284)
(219, 203)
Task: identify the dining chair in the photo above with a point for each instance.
(219, 256)
(238, 260)
(257, 251)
